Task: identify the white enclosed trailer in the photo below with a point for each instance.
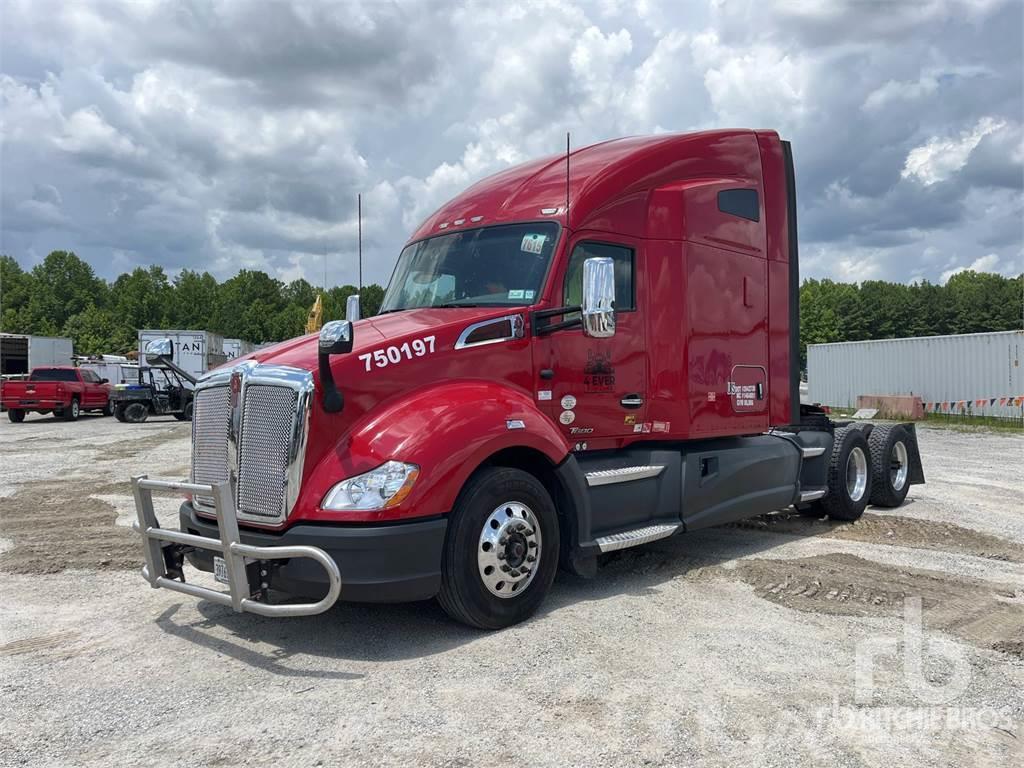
(20, 353)
(985, 370)
(234, 348)
(196, 352)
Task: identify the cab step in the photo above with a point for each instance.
(636, 537)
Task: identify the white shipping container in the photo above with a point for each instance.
(20, 353)
(194, 351)
(938, 369)
(234, 348)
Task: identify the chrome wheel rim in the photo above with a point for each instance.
(856, 474)
(74, 408)
(899, 467)
(508, 553)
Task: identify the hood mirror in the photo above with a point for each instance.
(335, 339)
(158, 348)
(598, 310)
(352, 307)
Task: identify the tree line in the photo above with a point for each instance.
(969, 302)
(63, 296)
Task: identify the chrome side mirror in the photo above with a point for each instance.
(158, 348)
(336, 337)
(352, 307)
(598, 297)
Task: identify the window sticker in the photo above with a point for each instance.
(528, 294)
(516, 294)
(533, 243)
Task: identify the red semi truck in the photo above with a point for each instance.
(62, 390)
(576, 355)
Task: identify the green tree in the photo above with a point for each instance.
(193, 300)
(96, 331)
(62, 286)
(15, 290)
(248, 305)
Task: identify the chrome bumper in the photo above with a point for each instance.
(236, 554)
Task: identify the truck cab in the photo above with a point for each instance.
(579, 354)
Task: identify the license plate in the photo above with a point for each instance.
(220, 569)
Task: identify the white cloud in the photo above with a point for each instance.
(234, 136)
(939, 158)
(987, 263)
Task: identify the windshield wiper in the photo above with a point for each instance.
(452, 304)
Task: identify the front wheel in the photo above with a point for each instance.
(16, 416)
(501, 551)
(108, 409)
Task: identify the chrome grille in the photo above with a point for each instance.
(268, 422)
(211, 416)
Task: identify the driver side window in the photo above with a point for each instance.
(625, 298)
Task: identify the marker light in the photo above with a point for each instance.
(380, 488)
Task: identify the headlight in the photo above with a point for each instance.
(380, 488)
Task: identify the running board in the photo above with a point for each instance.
(636, 537)
(621, 475)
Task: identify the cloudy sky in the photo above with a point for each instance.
(236, 133)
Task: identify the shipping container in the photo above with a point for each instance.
(194, 351)
(978, 373)
(237, 348)
(19, 353)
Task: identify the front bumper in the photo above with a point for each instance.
(395, 563)
(391, 563)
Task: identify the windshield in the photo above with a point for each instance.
(492, 267)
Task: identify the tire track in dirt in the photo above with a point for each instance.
(54, 526)
(981, 613)
(909, 532)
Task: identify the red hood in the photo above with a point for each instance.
(369, 333)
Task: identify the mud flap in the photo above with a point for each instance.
(916, 475)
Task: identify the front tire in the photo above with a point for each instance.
(890, 461)
(501, 551)
(849, 476)
(17, 416)
(108, 409)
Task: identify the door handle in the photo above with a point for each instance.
(631, 401)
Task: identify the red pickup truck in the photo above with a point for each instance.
(65, 391)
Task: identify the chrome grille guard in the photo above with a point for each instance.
(236, 554)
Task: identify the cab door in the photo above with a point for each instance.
(597, 388)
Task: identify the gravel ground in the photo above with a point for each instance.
(736, 645)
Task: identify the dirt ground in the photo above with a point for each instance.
(781, 640)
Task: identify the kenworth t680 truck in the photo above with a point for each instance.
(576, 355)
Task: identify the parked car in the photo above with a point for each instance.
(61, 390)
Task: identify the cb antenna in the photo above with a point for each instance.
(567, 178)
(359, 225)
